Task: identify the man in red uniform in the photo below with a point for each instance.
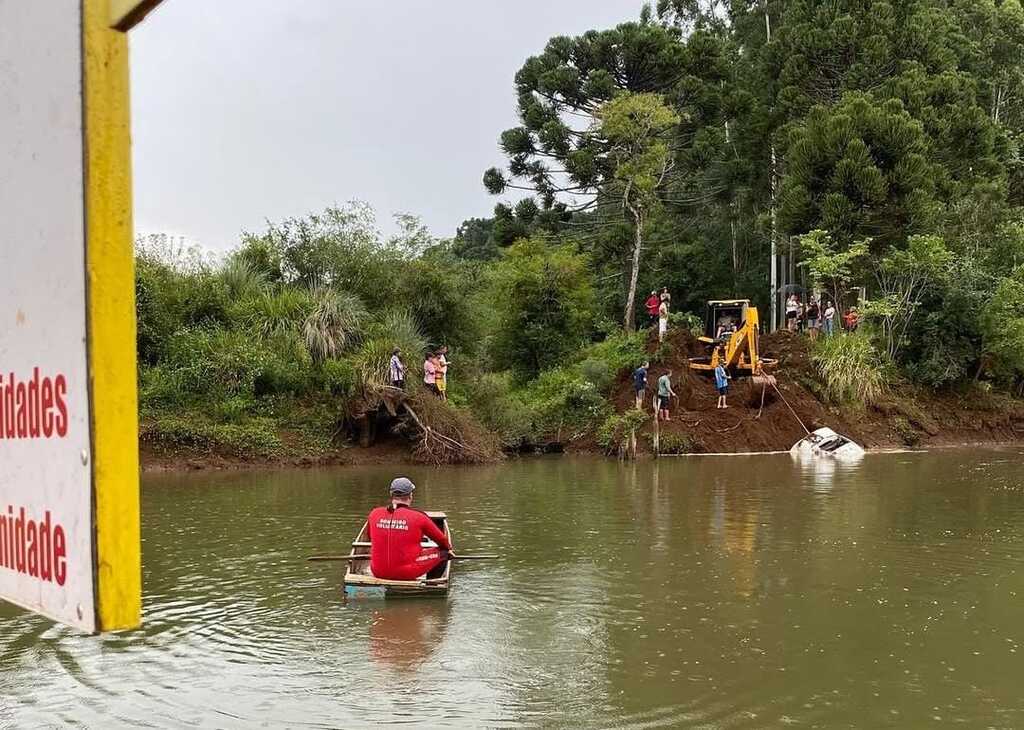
(395, 535)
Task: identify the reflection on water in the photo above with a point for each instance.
(404, 634)
(723, 591)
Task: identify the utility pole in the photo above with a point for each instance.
(771, 183)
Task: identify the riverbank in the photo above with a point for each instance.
(758, 420)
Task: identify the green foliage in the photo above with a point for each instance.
(677, 443)
(335, 322)
(563, 403)
(339, 377)
(545, 302)
(1002, 326)
(255, 438)
(397, 329)
(903, 277)
(687, 321)
(438, 292)
(634, 126)
(851, 368)
(598, 373)
(907, 433)
(619, 351)
(615, 433)
(492, 399)
(829, 267)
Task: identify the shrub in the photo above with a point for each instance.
(851, 367)
(336, 320)
(613, 435)
(491, 399)
(338, 377)
(598, 373)
(677, 443)
(619, 351)
(562, 399)
(687, 321)
(907, 433)
(256, 437)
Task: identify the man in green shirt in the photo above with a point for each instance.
(665, 394)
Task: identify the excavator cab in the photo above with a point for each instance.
(723, 318)
(731, 335)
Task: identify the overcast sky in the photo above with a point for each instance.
(248, 110)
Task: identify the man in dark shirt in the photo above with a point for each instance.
(640, 384)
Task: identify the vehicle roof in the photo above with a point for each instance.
(729, 301)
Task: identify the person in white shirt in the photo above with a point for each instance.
(829, 318)
(396, 370)
(792, 308)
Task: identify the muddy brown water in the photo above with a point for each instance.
(716, 592)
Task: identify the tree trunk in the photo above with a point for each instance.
(638, 238)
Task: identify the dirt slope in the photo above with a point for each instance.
(906, 417)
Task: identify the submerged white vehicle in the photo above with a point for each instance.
(826, 442)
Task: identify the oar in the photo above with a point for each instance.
(322, 558)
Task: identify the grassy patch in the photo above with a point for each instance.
(254, 437)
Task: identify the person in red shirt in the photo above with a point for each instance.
(653, 303)
(396, 532)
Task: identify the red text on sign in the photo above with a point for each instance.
(35, 548)
(33, 408)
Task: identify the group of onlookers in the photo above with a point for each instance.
(665, 392)
(818, 315)
(435, 371)
(658, 306)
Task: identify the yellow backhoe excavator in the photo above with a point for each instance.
(731, 333)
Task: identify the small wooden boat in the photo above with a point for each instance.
(360, 582)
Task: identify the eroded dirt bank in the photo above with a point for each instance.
(759, 419)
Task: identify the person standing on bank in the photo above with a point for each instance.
(722, 384)
(663, 318)
(396, 533)
(813, 315)
(829, 317)
(665, 395)
(441, 377)
(396, 370)
(652, 305)
(430, 374)
(640, 384)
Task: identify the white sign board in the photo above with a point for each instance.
(46, 518)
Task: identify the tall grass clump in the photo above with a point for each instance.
(852, 369)
(397, 328)
(335, 323)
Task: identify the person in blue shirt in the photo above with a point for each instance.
(722, 383)
(640, 383)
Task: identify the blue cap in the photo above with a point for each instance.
(402, 486)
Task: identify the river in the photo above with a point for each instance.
(745, 591)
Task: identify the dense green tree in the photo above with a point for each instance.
(545, 302)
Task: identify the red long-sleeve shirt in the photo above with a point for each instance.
(653, 304)
(395, 537)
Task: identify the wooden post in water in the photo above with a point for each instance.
(657, 429)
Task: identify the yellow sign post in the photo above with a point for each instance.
(69, 469)
(111, 287)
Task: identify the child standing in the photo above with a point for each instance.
(722, 383)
